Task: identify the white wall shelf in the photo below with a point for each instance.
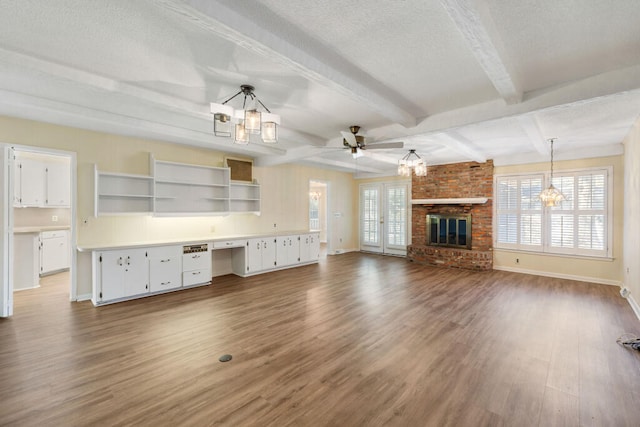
(118, 193)
(175, 189)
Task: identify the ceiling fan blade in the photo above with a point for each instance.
(350, 138)
(383, 145)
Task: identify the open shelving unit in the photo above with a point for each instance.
(175, 189)
(190, 189)
(244, 197)
(121, 194)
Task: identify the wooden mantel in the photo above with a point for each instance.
(454, 201)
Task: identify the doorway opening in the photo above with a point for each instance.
(384, 218)
(41, 218)
(318, 208)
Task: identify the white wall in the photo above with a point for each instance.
(285, 191)
(631, 271)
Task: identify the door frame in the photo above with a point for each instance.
(327, 204)
(383, 207)
(8, 184)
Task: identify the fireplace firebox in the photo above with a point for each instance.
(449, 230)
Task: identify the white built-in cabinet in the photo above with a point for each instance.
(260, 255)
(41, 181)
(58, 184)
(54, 251)
(121, 274)
(165, 268)
(287, 250)
(309, 247)
(274, 253)
(174, 189)
(196, 268)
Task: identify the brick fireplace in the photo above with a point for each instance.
(455, 189)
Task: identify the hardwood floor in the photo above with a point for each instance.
(357, 340)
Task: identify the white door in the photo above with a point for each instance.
(58, 184)
(384, 218)
(136, 272)
(32, 182)
(111, 275)
(6, 239)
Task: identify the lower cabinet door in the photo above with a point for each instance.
(111, 275)
(136, 272)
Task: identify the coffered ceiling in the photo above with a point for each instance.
(457, 80)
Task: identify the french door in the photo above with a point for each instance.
(384, 218)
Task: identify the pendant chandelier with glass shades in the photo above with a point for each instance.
(246, 121)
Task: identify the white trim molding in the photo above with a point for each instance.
(588, 279)
(633, 303)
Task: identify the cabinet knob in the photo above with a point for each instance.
(165, 260)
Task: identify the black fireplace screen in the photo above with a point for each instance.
(449, 230)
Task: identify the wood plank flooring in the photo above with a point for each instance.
(357, 340)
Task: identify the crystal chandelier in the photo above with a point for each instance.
(411, 161)
(551, 196)
(247, 121)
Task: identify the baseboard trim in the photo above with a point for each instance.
(597, 280)
(342, 251)
(634, 305)
(83, 297)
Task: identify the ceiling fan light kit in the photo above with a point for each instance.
(412, 162)
(248, 121)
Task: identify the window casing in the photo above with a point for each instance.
(578, 226)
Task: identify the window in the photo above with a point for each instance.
(370, 220)
(397, 215)
(578, 226)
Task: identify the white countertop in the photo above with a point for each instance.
(38, 229)
(182, 241)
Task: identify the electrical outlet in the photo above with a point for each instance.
(517, 260)
(213, 228)
(275, 225)
(54, 218)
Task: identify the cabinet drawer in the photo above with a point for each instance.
(164, 273)
(53, 234)
(195, 277)
(229, 244)
(196, 261)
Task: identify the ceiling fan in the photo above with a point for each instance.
(356, 142)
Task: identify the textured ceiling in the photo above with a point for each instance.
(457, 80)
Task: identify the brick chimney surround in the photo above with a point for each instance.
(454, 189)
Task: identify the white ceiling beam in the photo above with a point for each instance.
(476, 26)
(60, 113)
(229, 21)
(292, 155)
(351, 166)
(609, 85)
(462, 145)
(530, 126)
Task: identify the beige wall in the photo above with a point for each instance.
(592, 269)
(631, 270)
(285, 191)
(38, 217)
